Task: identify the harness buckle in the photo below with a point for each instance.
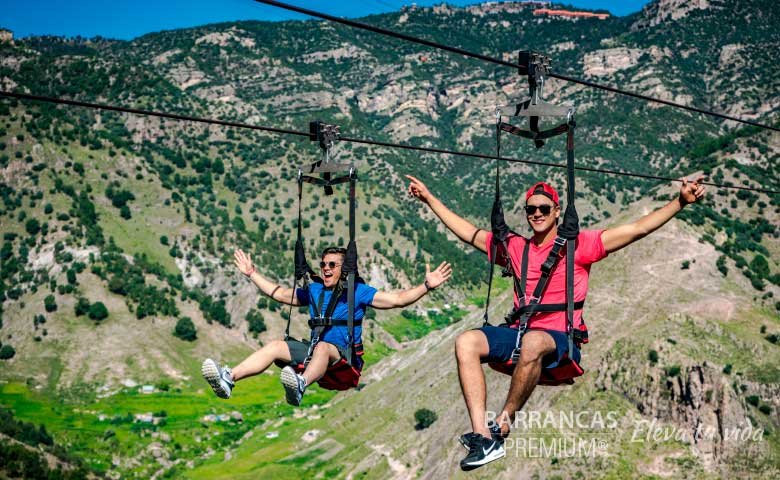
(516, 356)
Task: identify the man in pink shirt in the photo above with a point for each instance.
(545, 342)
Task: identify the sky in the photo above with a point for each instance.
(125, 19)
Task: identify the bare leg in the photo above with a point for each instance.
(536, 345)
(262, 359)
(469, 348)
(324, 354)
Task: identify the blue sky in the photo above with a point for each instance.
(126, 19)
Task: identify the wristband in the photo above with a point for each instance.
(428, 288)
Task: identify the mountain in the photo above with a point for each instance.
(141, 215)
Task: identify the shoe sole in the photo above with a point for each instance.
(210, 372)
(494, 455)
(290, 383)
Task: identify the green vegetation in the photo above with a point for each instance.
(97, 312)
(185, 329)
(652, 356)
(256, 322)
(424, 418)
(6, 352)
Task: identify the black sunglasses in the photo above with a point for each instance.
(531, 209)
(330, 264)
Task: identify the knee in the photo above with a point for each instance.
(324, 348)
(467, 344)
(529, 355)
(533, 349)
(278, 347)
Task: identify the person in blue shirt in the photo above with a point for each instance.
(332, 343)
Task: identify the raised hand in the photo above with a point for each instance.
(243, 262)
(418, 190)
(691, 190)
(435, 278)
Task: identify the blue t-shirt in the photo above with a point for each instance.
(338, 335)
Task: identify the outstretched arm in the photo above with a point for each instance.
(277, 292)
(616, 238)
(433, 279)
(461, 227)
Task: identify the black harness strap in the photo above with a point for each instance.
(302, 268)
(350, 267)
(497, 223)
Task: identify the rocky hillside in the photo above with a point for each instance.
(119, 228)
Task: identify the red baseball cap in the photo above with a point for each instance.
(542, 188)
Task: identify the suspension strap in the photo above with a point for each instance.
(571, 231)
(496, 221)
(350, 267)
(302, 268)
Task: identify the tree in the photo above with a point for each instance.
(424, 418)
(760, 266)
(82, 306)
(117, 285)
(97, 311)
(256, 322)
(185, 329)
(652, 355)
(32, 226)
(6, 352)
(50, 304)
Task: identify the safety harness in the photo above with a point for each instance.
(345, 373)
(536, 66)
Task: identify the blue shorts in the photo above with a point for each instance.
(501, 341)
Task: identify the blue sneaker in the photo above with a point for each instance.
(294, 385)
(220, 378)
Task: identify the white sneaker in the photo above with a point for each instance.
(220, 378)
(294, 385)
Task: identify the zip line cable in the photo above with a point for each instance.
(498, 61)
(283, 131)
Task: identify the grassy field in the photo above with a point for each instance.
(102, 430)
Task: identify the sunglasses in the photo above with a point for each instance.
(330, 264)
(544, 209)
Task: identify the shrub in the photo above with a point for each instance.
(97, 311)
(256, 322)
(765, 409)
(673, 371)
(117, 285)
(32, 226)
(424, 418)
(652, 355)
(727, 369)
(50, 304)
(752, 400)
(82, 306)
(185, 329)
(7, 352)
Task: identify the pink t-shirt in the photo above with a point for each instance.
(590, 249)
